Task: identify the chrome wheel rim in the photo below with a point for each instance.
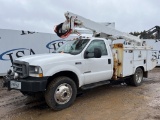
(139, 76)
(63, 93)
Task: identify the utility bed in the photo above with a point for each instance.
(128, 57)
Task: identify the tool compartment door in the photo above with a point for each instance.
(128, 61)
(151, 62)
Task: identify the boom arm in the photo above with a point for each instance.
(73, 20)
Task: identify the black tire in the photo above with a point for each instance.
(136, 79)
(61, 93)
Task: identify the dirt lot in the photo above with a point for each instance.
(109, 102)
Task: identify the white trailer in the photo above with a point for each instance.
(155, 43)
(18, 43)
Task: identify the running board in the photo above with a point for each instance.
(93, 85)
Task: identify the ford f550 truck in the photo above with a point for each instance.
(82, 63)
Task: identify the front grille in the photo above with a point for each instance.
(22, 68)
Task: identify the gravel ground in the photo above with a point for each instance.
(108, 102)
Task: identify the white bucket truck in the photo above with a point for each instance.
(81, 63)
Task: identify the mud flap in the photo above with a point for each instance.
(145, 74)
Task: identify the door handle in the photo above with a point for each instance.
(109, 61)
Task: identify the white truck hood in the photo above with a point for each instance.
(40, 59)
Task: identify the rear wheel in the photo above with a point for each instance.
(61, 93)
(136, 79)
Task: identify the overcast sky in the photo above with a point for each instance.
(43, 15)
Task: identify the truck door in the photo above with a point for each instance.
(98, 69)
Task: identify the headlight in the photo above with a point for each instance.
(35, 71)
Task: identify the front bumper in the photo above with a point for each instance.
(29, 84)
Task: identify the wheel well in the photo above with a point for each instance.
(141, 68)
(69, 74)
(145, 73)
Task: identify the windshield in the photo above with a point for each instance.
(73, 46)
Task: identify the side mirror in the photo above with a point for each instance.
(86, 54)
(97, 53)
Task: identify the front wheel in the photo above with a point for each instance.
(61, 93)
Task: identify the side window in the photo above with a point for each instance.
(97, 44)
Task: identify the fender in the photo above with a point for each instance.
(139, 66)
(64, 67)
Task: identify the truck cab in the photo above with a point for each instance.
(81, 61)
